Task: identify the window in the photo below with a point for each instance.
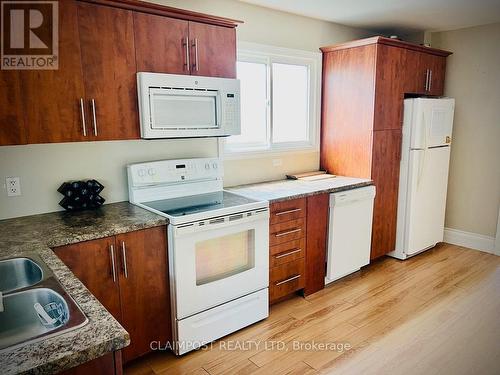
(279, 100)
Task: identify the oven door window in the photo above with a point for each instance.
(183, 109)
(222, 257)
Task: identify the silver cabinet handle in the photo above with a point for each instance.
(185, 44)
(430, 80)
(82, 111)
(287, 232)
(288, 211)
(196, 61)
(113, 267)
(124, 259)
(426, 79)
(282, 255)
(94, 117)
(288, 280)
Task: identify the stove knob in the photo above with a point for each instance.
(141, 172)
(214, 166)
(207, 166)
(151, 171)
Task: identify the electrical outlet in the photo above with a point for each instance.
(13, 185)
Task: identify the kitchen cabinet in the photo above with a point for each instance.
(108, 364)
(298, 239)
(364, 85)
(109, 72)
(213, 50)
(162, 44)
(128, 274)
(166, 45)
(92, 96)
(53, 100)
(12, 129)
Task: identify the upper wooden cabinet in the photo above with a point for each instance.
(364, 85)
(162, 44)
(173, 46)
(213, 50)
(54, 100)
(102, 45)
(128, 274)
(109, 72)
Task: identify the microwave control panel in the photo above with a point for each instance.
(232, 110)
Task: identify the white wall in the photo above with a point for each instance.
(473, 79)
(43, 168)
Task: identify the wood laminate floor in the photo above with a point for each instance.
(436, 313)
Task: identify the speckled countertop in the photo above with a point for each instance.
(276, 191)
(36, 235)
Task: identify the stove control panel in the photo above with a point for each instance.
(165, 172)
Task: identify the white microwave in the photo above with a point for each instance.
(182, 106)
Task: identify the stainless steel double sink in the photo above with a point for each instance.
(33, 305)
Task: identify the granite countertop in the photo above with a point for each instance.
(36, 235)
(276, 191)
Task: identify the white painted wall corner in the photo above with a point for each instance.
(470, 240)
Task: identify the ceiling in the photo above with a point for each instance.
(394, 16)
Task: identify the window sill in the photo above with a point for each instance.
(259, 154)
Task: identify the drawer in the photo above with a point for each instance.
(287, 231)
(286, 252)
(287, 210)
(286, 279)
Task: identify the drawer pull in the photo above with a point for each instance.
(288, 211)
(288, 280)
(281, 234)
(287, 254)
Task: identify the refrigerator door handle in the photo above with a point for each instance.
(421, 165)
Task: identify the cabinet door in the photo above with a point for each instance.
(437, 66)
(213, 50)
(12, 128)
(92, 263)
(109, 71)
(415, 81)
(144, 289)
(161, 44)
(316, 242)
(390, 75)
(52, 97)
(385, 174)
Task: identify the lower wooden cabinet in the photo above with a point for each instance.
(108, 364)
(298, 240)
(128, 274)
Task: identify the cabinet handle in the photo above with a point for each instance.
(112, 255)
(82, 111)
(288, 211)
(185, 44)
(426, 80)
(288, 280)
(124, 259)
(196, 62)
(281, 234)
(430, 80)
(94, 117)
(282, 255)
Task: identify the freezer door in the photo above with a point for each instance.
(426, 199)
(432, 122)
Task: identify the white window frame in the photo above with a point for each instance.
(260, 53)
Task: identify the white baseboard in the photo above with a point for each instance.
(470, 240)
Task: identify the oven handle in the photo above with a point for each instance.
(223, 222)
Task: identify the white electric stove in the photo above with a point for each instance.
(218, 247)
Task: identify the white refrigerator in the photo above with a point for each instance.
(423, 179)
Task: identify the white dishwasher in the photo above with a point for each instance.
(349, 231)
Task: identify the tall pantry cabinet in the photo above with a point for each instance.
(364, 84)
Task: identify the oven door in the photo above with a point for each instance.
(217, 260)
